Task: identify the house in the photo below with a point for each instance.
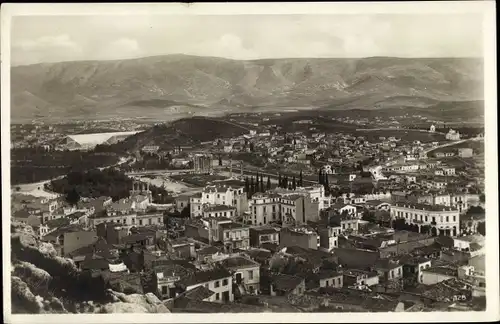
(388, 269)
(469, 242)
(465, 152)
(437, 274)
(181, 247)
(219, 280)
(328, 238)
(246, 273)
(262, 235)
(168, 274)
(182, 202)
(357, 278)
(413, 266)
(325, 278)
(219, 211)
(235, 235)
(150, 149)
(78, 239)
(303, 237)
(284, 285)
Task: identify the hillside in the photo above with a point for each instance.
(180, 85)
(185, 131)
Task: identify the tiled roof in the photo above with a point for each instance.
(198, 293)
(205, 276)
(238, 263)
(285, 282)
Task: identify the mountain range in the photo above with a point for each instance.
(171, 86)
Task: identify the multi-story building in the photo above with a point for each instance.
(440, 219)
(264, 208)
(290, 207)
(219, 195)
(217, 280)
(259, 236)
(246, 273)
(235, 235)
(329, 238)
(219, 211)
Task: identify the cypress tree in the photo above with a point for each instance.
(280, 181)
(247, 187)
(320, 176)
(301, 181)
(268, 186)
(262, 189)
(294, 183)
(252, 187)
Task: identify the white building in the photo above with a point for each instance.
(453, 135)
(440, 218)
(219, 195)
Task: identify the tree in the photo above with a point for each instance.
(280, 180)
(220, 161)
(294, 183)
(252, 187)
(262, 189)
(285, 182)
(268, 186)
(320, 176)
(326, 184)
(301, 181)
(247, 187)
(72, 197)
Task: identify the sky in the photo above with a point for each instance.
(38, 39)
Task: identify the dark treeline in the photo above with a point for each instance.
(37, 164)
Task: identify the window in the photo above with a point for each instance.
(454, 218)
(338, 281)
(343, 226)
(218, 196)
(217, 296)
(224, 282)
(140, 222)
(159, 220)
(149, 221)
(217, 284)
(164, 290)
(426, 219)
(250, 274)
(207, 196)
(399, 271)
(327, 283)
(447, 219)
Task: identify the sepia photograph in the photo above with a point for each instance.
(249, 162)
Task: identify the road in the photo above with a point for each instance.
(37, 189)
(398, 129)
(428, 150)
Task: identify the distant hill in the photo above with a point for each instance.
(163, 87)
